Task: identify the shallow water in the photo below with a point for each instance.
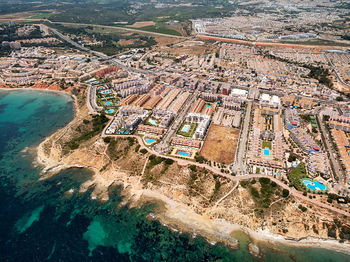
(40, 221)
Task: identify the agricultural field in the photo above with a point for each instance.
(220, 144)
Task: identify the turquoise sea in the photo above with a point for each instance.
(41, 222)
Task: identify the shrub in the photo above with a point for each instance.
(107, 140)
(85, 121)
(254, 192)
(143, 151)
(244, 183)
(292, 157)
(137, 148)
(169, 161)
(273, 184)
(193, 168)
(302, 208)
(264, 180)
(285, 192)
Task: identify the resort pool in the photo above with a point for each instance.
(106, 92)
(266, 151)
(101, 87)
(314, 186)
(183, 153)
(186, 128)
(109, 111)
(149, 140)
(208, 106)
(108, 103)
(152, 122)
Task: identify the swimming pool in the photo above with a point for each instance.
(101, 87)
(314, 186)
(108, 103)
(208, 106)
(149, 140)
(106, 92)
(186, 128)
(183, 153)
(152, 122)
(109, 111)
(266, 151)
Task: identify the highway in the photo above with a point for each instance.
(123, 29)
(98, 54)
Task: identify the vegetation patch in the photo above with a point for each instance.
(98, 124)
(295, 177)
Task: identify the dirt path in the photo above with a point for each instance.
(221, 199)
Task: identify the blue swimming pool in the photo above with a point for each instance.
(109, 111)
(183, 153)
(106, 92)
(266, 151)
(186, 128)
(149, 140)
(108, 103)
(101, 87)
(152, 122)
(208, 106)
(314, 186)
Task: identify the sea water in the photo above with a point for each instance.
(40, 221)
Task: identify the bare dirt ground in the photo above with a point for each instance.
(162, 41)
(220, 144)
(16, 16)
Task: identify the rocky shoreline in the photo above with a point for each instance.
(172, 213)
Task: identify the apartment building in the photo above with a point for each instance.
(340, 123)
(152, 102)
(151, 129)
(186, 142)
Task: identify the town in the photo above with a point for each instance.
(240, 111)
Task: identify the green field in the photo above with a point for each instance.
(41, 15)
(162, 29)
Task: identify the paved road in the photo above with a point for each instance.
(332, 153)
(340, 79)
(123, 29)
(98, 54)
(239, 164)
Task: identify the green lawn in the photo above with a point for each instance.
(190, 132)
(266, 144)
(297, 175)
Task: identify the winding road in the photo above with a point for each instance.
(183, 162)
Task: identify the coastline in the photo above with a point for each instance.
(174, 214)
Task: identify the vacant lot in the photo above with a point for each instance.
(220, 144)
